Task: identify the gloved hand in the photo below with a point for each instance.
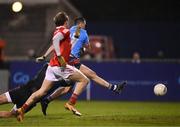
(62, 62)
(40, 59)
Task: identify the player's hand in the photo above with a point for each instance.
(77, 32)
(83, 50)
(40, 59)
(62, 61)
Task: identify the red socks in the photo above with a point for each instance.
(73, 99)
(24, 107)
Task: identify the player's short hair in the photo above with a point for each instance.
(79, 19)
(60, 18)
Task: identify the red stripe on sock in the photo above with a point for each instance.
(73, 99)
(24, 107)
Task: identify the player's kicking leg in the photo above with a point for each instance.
(53, 74)
(72, 101)
(117, 88)
(83, 81)
(80, 86)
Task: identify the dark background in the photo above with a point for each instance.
(146, 26)
(131, 10)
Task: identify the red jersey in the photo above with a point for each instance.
(62, 45)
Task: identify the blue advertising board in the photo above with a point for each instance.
(141, 79)
(22, 71)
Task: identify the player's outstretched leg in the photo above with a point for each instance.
(118, 87)
(81, 84)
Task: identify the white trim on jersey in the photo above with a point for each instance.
(60, 27)
(56, 40)
(73, 41)
(8, 97)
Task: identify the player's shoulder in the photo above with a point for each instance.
(62, 29)
(73, 29)
(84, 33)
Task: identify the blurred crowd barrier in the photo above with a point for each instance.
(141, 79)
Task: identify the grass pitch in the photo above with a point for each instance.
(101, 113)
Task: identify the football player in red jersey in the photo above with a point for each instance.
(79, 40)
(58, 68)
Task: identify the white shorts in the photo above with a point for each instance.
(56, 73)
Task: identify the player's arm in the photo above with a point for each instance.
(77, 32)
(50, 49)
(42, 58)
(87, 45)
(56, 40)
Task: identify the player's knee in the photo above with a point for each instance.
(85, 80)
(41, 93)
(67, 89)
(34, 96)
(37, 95)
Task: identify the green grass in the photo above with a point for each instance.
(101, 113)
